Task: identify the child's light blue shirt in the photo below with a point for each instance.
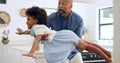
(60, 47)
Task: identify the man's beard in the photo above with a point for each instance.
(61, 12)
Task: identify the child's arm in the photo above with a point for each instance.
(85, 45)
(34, 46)
(20, 31)
(101, 48)
(99, 52)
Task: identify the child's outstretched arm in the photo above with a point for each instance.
(20, 31)
(85, 45)
(34, 46)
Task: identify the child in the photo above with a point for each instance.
(58, 44)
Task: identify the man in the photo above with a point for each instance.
(57, 45)
(66, 19)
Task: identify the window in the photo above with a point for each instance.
(2, 1)
(106, 23)
(50, 10)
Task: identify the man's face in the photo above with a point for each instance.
(64, 7)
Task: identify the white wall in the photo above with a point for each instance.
(88, 11)
(92, 17)
(16, 20)
(13, 8)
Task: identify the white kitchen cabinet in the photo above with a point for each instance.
(40, 58)
(13, 54)
(1, 54)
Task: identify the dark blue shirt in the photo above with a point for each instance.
(74, 23)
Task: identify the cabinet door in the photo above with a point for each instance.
(40, 58)
(27, 59)
(1, 54)
(10, 54)
(14, 56)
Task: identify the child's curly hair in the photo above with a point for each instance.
(37, 13)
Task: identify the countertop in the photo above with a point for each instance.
(21, 43)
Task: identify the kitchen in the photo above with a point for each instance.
(84, 9)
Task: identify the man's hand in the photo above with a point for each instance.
(44, 36)
(82, 45)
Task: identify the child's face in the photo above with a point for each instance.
(30, 22)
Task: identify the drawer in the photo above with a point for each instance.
(94, 61)
(40, 58)
(41, 55)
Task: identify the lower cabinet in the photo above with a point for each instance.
(40, 58)
(10, 54)
(1, 54)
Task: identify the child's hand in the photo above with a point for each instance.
(20, 31)
(29, 55)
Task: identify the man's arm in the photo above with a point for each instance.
(79, 29)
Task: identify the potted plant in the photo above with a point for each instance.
(84, 33)
(5, 37)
